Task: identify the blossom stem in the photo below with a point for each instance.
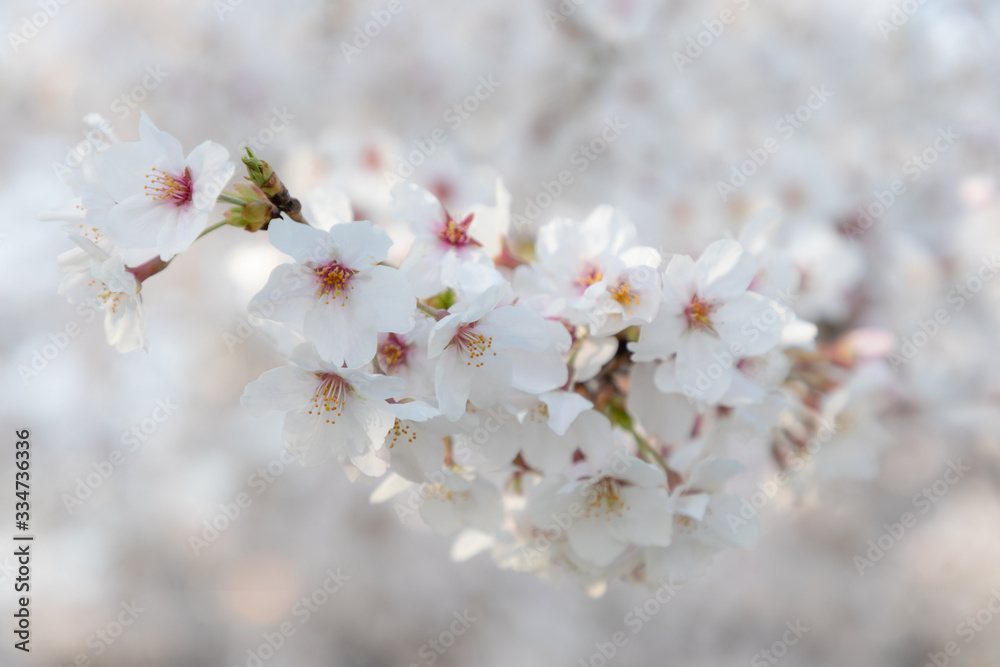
(572, 360)
(620, 417)
(433, 312)
(230, 199)
(147, 269)
(649, 450)
(212, 228)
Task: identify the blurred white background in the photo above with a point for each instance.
(227, 68)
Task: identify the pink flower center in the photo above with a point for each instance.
(473, 344)
(456, 234)
(401, 430)
(107, 295)
(331, 396)
(169, 188)
(699, 314)
(605, 498)
(392, 353)
(334, 280)
(590, 274)
(624, 295)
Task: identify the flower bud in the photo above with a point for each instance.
(255, 213)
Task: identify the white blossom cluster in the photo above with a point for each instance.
(575, 404)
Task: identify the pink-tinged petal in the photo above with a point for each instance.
(490, 381)
(211, 171)
(452, 383)
(564, 407)
(724, 270)
(423, 268)
(415, 454)
(593, 541)
(377, 387)
(305, 357)
(670, 417)
(285, 388)
(679, 278)
(513, 326)
(373, 463)
(593, 434)
(637, 472)
(92, 252)
(691, 505)
(660, 338)
(290, 291)
(311, 438)
(343, 332)
(325, 206)
(554, 242)
(374, 418)
(389, 295)
(162, 148)
(607, 230)
(123, 169)
(754, 321)
(75, 263)
(468, 272)
(360, 244)
(417, 411)
(177, 237)
(760, 229)
(136, 222)
(549, 453)
(302, 242)
(484, 303)
(123, 326)
(665, 378)
(641, 255)
(704, 366)
(537, 372)
(417, 207)
(96, 201)
(442, 334)
(491, 223)
(592, 355)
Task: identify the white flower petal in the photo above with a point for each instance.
(284, 388)
(360, 244)
(302, 242)
(592, 540)
(452, 383)
(724, 270)
(564, 407)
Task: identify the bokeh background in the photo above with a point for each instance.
(898, 72)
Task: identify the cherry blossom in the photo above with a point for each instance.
(161, 198)
(328, 409)
(97, 277)
(471, 345)
(709, 319)
(337, 291)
